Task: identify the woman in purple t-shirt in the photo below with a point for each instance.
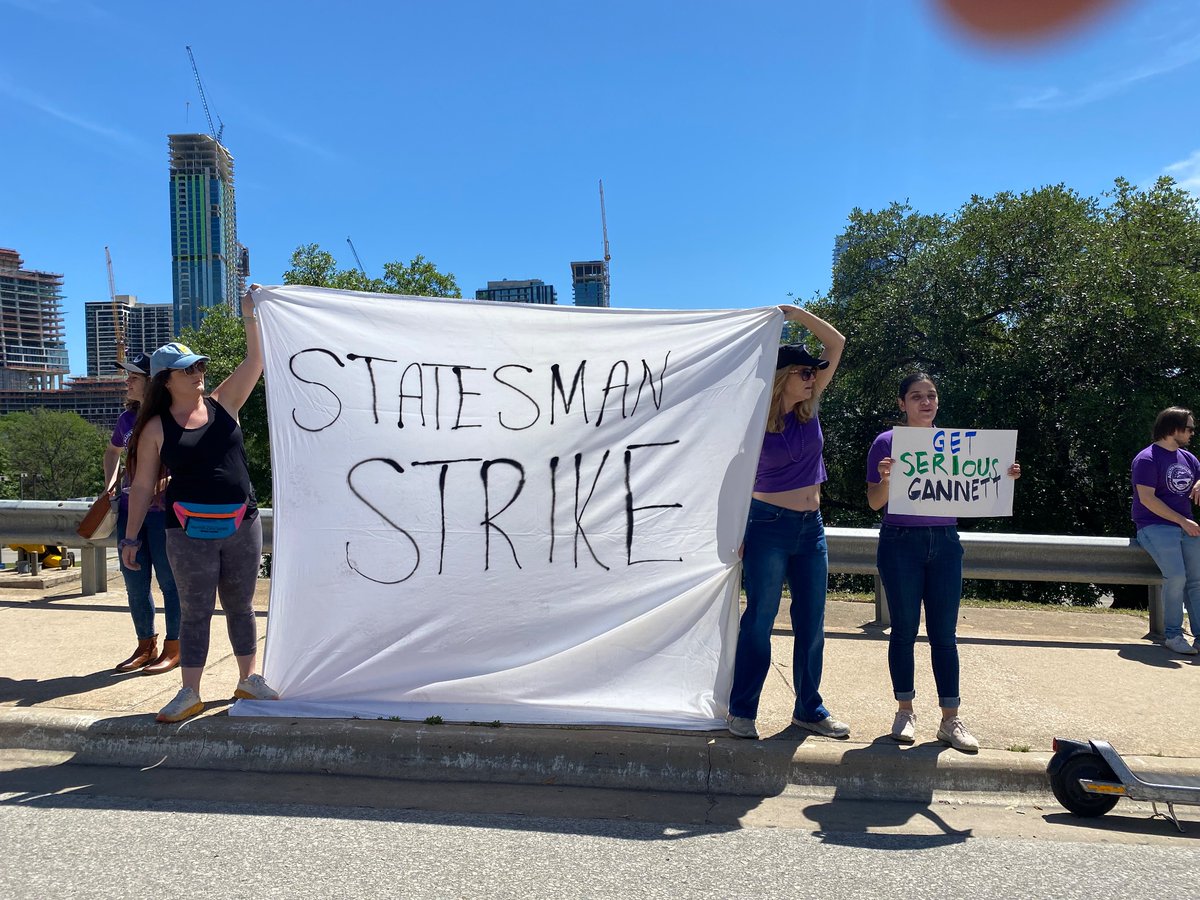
(153, 536)
(920, 560)
(785, 538)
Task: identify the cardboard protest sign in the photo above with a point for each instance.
(959, 472)
(493, 511)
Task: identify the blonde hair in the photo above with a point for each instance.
(804, 410)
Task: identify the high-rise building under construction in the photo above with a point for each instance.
(205, 253)
(33, 347)
(143, 327)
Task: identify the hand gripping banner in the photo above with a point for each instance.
(492, 511)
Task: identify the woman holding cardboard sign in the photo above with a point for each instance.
(785, 538)
(920, 561)
(214, 536)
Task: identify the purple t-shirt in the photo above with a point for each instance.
(791, 458)
(1171, 473)
(881, 449)
(120, 438)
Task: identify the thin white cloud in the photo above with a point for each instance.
(1186, 173)
(47, 108)
(1184, 53)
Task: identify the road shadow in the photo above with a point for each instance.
(910, 772)
(31, 691)
(1127, 824)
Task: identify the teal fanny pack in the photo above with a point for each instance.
(209, 521)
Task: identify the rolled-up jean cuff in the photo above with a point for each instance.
(950, 702)
(906, 695)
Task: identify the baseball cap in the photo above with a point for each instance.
(138, 364)
(173, 356)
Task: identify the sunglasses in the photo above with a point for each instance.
(805, 374)
(196, 368)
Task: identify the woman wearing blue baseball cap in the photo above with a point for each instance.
(785, 538)
(214, 536)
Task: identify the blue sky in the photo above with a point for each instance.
(733, 138)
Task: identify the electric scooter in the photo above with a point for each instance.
(1089, 777)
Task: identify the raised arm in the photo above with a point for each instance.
(233, 391)
(831, 339)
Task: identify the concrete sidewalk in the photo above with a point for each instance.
(1027, 676)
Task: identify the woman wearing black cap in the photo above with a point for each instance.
(152, 552)
(785, 537)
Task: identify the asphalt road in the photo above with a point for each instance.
(77, 831)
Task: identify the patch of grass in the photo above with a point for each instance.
(854, 597)
(434, 720)
(1019, 748)
(495, 723)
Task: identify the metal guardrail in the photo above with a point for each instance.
(56, 521)
(1007, 557)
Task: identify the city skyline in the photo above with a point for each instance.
(732, 144)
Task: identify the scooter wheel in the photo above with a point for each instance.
(1070, 792)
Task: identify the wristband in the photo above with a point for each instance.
(128, 542)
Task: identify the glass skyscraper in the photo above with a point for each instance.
(204, 245)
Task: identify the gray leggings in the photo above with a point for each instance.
(204, 569)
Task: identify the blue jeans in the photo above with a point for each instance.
(1178, 558)
(922, 563)
(152, 553)
(782, 543)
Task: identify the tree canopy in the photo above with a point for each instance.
(421, 278)
(1072, 319)
(49, 455)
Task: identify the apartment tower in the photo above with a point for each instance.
(205, 254)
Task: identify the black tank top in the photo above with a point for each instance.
(207, 464)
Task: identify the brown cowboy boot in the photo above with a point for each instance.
(147, 650)
(167, 660)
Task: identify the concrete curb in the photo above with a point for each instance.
(708, 763)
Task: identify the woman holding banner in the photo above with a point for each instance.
(920, 561)
(785, 538)
(214, 536)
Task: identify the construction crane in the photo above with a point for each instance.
(361, 268)
(215, 132)
(118, 327)
(604, 227)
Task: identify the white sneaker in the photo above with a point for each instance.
(827, 727)
(255, 687)
(956, 735)
(1179, 644)
(739, 726)
(186, 704)
(904, 726)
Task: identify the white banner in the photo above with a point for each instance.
(960, 472)
(491, 511)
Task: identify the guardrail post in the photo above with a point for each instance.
(1155, 594)
(94, 570)
(883, 617)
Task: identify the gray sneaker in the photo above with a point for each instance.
(826, 727)
(741, 727)
(1179, 644)
(255, 687)
(186, 703)
(955, 733)
(904, 727)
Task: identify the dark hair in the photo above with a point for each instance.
(1171, 420)
(156, 401)
(912, 378)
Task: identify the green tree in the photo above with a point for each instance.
(1072, 319)
(222, 338)
(313, 266)
(51, 455)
